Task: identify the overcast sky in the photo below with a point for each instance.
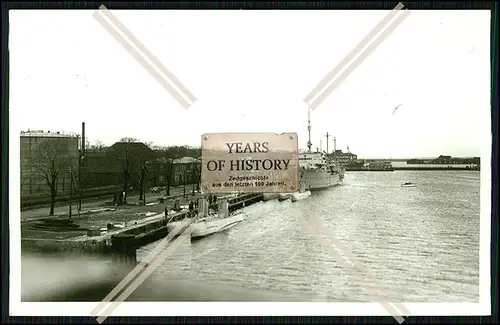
(250, 71)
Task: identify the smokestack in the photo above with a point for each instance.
(334, 144)
(81, 166)
(83, 139)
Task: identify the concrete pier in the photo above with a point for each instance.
(244, 200)
(120, 244)
(124, 249)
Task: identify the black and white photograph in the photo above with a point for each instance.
(289, 162)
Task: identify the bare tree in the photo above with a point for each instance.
(133, 158)
(127, 164)
(170, 154)
(171, 167)
(97, 146)
(53, 163)
(142, 179)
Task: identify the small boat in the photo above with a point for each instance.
(300, 196)
(270, 196)
(409, 184)
(215, 223)
(284, 196)
(209, 223)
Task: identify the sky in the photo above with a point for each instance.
(250, 71)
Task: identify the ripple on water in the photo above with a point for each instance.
(420, 244)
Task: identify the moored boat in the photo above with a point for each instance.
(206, 224)
(284, 196)
(270, 196)
(317, 171)
(300, 196)
(213, 223)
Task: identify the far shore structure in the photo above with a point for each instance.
(55, 166)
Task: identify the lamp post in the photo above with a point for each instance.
(198, 177)
(144, 179)
(193, 177)
(184, 169)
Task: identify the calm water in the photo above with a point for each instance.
(420, 244)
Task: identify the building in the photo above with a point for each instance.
(186, 170)
(107, 166)
(116, 165)
(345, 158)
(443, 160)
(380, 165)
(99, 169)
(48, 156)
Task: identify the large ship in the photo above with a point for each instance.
(317, 170)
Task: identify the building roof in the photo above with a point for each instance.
(49, 134)
(186, 160)
(131, 145)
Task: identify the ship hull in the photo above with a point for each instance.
(270, 196)
(317, 180)
(211, 226)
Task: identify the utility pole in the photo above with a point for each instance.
(70, 189)
(198, 176)
(193, 176)
(184, 180)
(143, 183)
(81, 166)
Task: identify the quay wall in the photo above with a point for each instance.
(411, 168)
(138, 235)
(65, 247)
(436, 168)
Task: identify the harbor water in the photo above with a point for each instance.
(420, 244)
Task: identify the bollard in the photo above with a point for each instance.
(124, 250)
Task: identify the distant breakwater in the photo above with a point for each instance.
(410, 168)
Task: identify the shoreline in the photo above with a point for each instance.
(414, 168)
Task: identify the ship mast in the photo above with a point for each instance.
(309, 143)
(327, 141)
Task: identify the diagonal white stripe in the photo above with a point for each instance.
(337, 81)
(161, 78)
(148, 53)
(139, 268)
(362, 44)
(353, 268)
(147, 272)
